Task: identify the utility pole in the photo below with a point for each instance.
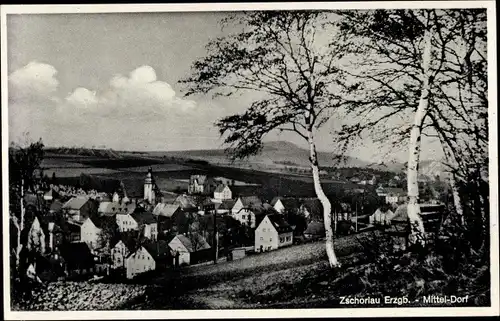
(356, 216)
(216, 238)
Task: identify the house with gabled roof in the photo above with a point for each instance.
(225, 206)
(285, 204)
(272, 233)
(113, 208)
(147, 257)
(167, 215)
(246, 209)
(79, 208)
(92, 228)
(121, 249)
(146, 222)
(382, 216)
(201, 184)
(186, 245)
(223, 192)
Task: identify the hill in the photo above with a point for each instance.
(277, 154)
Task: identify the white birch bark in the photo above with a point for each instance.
(415, 143)
(327, 207)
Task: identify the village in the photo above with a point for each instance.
(87, 234)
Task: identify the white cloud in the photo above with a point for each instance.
(82, 96)
(138, 95)
(34, 81)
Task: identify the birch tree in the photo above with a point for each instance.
(410, 83)
(23, 163)
(284, 59)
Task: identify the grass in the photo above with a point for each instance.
(227, 285)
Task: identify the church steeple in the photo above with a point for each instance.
(148, 186)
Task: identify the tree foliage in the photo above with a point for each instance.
(281, 56)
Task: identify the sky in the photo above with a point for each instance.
(111, 80)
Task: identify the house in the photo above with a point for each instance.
(51, 196)
(382, 216)
(91, 231)
(315, 230)
(79, 208)
(167, 215)
(186, 202)
(285, 204)
(147, 257)
(120, 251)
(272, 233)
(246, 208)
(225, 206)
(395, 195)
(78, 259)
(201, 184)
(186, 247)
(146, 222)
(223, 192)
(113, 208)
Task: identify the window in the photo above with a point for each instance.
(261, 238)
(271, 239)
(282, 240)
(243, 216)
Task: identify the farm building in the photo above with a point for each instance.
(148, 257)
(272, 233)
(186, 247)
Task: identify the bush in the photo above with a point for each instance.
(448, 267)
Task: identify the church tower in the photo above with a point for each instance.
(149, 193)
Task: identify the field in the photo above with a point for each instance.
(172, 173)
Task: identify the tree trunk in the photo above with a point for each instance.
(327, 215)
(456, 199)
(417, 226)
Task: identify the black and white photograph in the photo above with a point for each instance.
(249, 159)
